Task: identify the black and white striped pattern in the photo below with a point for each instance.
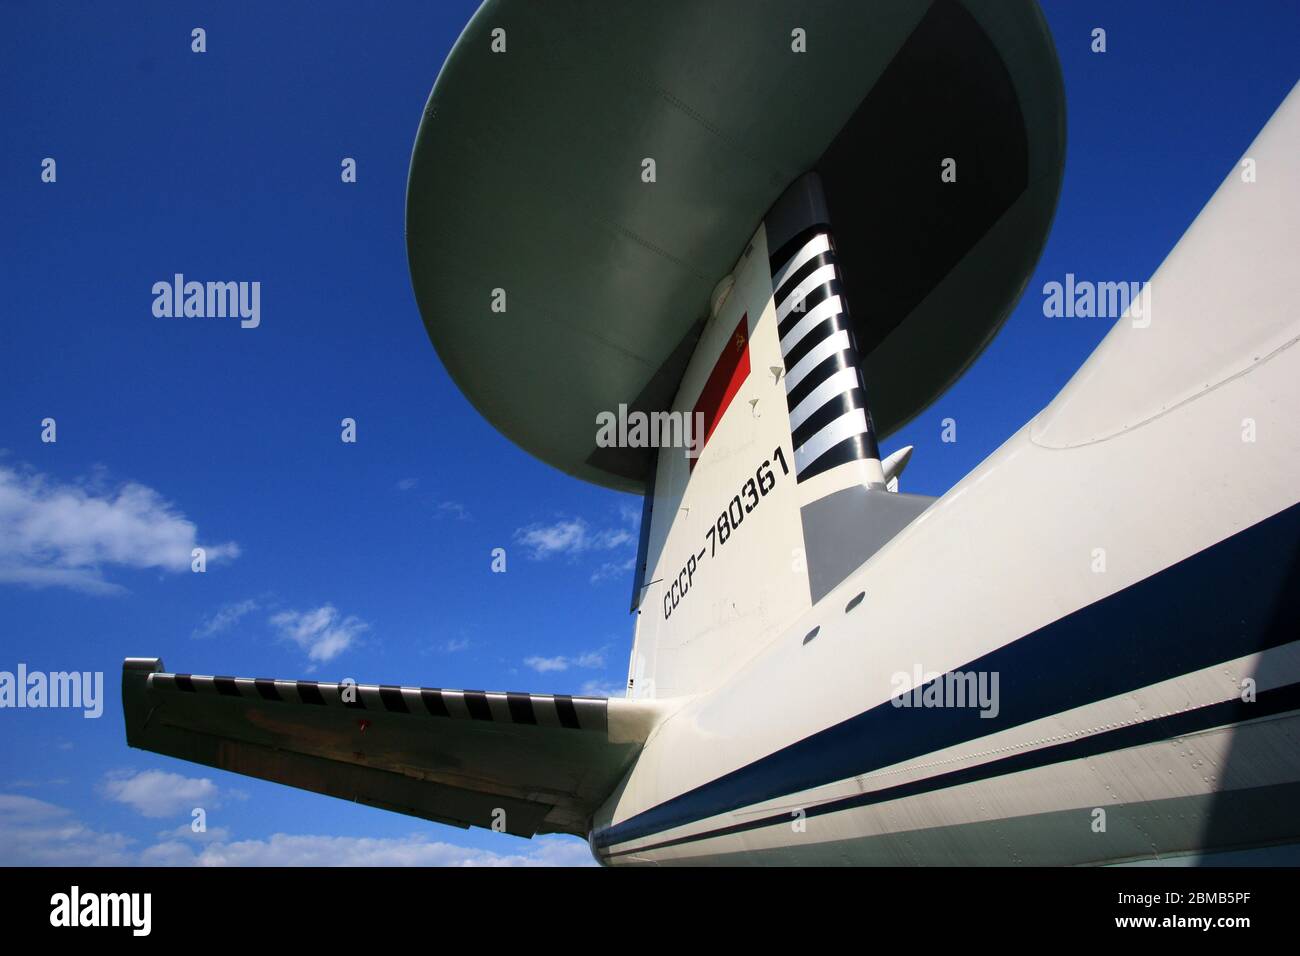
(825, 395)
(545, 710)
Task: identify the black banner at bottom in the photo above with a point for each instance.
(189, 905)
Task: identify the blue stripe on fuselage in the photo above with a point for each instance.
(1235, 598)
(1269, 703)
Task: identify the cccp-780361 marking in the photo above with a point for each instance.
(754, 490)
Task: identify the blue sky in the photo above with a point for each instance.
(371, 560)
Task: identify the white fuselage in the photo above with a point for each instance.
(1118, 580)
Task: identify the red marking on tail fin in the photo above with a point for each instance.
(729, 373)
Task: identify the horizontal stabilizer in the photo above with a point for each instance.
(522, 763)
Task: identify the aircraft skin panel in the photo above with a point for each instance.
(508, 190)
(740, 543)
(724, 574)
(1222, 302)
(1129, 558)
(1074, 760)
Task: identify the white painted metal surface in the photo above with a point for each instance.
(1140, 460)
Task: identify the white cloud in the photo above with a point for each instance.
(157, 793)
(36, 833)
(454, 645)
(569, 536)
(63, 535)
(587, 659)
(282, 849)
(406, 484)
(599, 688)
(454, 509)
(612, 569)
(613, 538)
(186, 831)
(30, 784)
(323, 633)
(225, 618)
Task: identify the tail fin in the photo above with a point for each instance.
(782, 491)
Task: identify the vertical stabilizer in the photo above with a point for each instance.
(782, 491)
